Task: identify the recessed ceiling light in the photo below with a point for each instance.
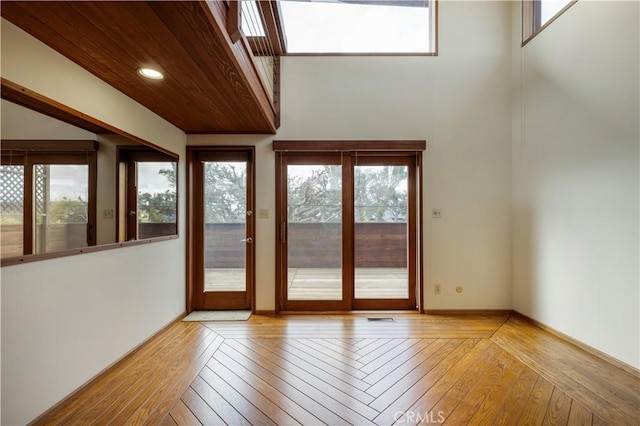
(150, 73)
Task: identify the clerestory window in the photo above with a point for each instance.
(360, 26)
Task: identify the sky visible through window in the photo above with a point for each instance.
(549, 8)
(68, 181)
(332, 26)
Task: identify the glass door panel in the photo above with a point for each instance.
(314, 232)
(381, 206)
(225, 226)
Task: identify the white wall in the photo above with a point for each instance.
(106, 188)
(576, 171)
(19, 122)
(64, 320)
(459, 102)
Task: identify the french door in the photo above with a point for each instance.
(347, 231)
(222, 228)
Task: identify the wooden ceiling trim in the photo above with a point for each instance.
(242, 53)
(211, 86)
(42, 19)
(174, 19)
(206, 38)
(175, 64)
(131, 57)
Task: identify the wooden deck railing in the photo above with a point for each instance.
(314, 245)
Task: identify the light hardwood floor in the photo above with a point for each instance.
(344, 369)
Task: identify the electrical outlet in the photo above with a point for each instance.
(436, 289)
(107, 214)
(436, 213)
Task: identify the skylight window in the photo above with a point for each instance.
(359, 26)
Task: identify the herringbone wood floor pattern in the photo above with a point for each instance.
(310, 370)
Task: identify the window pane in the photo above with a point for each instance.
(61, 196)
(11, 210)
(549, 9)
(156, 199)
(314, 232)
(381, 244)
(357, 27)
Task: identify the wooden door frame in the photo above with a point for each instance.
(365, 148)
(194, 222)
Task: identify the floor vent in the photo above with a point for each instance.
(380, 319)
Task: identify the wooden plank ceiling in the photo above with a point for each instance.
(211, 85)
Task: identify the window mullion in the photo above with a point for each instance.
(28, 214)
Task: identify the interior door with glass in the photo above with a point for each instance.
(224, 230)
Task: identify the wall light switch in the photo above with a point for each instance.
(107, 214)
(263, 213)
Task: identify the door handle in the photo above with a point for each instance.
(247, 240)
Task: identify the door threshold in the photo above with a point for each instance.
(355, 313)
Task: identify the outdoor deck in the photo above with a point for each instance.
(321, 283)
